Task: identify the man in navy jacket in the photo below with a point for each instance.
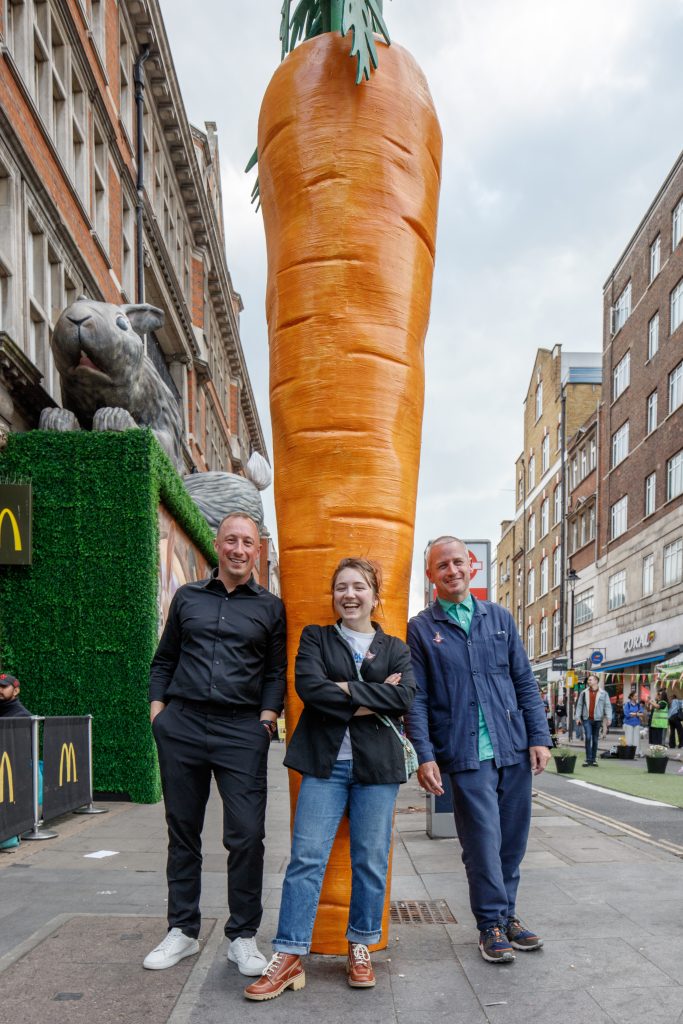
(479, 719)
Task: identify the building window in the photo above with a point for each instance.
(673, 562)
(559, 436)
(97, 21)
(593, 454)
(619, 517)
(126, 83)
(100, 181)
(531, 586)
(544, 636)
(583, 607)
(519, 619)
(650, 489)
(545, 516)
(544, 576)
(530, 641)
(616, 590)
(556, 630)
(676, 312)
(651, 412)
(655, 257)
(676, 387)
(575, 472)
(128, 250)
(539, 399)
(648, 575)
(677, 224)
(674, 476)
(557, 505)
(532, 473)
(583, 520)
(574, 536)
(532, 530)
(653, 336)
(545, 453)
(557, 566)
(620, 444)
(520, 488)
(584, 463)
(622, 309)
(591, 523)
(621, 376)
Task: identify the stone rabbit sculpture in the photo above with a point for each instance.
(107, 380)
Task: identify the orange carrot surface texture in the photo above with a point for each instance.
(349, 183)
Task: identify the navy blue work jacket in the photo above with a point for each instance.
(455, 673)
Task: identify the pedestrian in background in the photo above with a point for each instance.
(675, 723)
(633, 709)
(352, 762)
(659, 719)
(593, 710)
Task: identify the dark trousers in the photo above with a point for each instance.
(192, 746)
(492, 809)
(675, 733)
(591, 730)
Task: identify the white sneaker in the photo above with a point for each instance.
(245, 953)
(170, 950)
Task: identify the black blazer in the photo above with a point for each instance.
(324, 658)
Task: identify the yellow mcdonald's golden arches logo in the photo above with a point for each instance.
(6, 769)
(15, 527)
(68, 755)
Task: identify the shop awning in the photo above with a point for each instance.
(642, 659)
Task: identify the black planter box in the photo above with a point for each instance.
(626, 753)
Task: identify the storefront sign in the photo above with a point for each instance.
(639, 641)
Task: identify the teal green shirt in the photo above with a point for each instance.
(462, 615)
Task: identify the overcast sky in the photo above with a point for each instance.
(560, 122)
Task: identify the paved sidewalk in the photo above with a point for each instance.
(74, 930)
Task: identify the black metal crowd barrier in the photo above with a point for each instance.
(66, 779)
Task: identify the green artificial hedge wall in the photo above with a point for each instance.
(79, 626)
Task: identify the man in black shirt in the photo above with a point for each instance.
(217, 685)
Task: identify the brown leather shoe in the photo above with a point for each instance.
(285, 970)
(358, 966)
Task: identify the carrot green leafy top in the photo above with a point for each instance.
(313, 17)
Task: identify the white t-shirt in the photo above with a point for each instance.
(359, 644)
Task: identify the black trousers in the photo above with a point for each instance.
(192, 745)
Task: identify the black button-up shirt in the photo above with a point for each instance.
(224, 648)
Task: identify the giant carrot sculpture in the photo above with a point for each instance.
(349, 182)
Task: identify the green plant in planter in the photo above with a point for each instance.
(565, 760)
(658, 750)
(563, 752)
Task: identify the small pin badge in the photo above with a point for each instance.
(438, 639)
(370, 655)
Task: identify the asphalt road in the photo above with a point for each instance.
(643, 819)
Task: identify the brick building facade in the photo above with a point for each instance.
(73, 222)
(530, 558)
(634, 611)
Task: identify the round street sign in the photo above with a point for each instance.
(597, 657)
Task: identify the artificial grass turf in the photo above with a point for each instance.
(632, 777)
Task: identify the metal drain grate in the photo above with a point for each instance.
(420, 912)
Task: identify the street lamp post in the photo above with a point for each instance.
(571, 579)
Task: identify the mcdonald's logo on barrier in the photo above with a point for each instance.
(15, 524)
(67, 756)
(6, 772)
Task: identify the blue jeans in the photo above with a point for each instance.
(492, 809)
(319, 810)
(591, 730)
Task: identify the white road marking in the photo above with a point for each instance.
(617, 794)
